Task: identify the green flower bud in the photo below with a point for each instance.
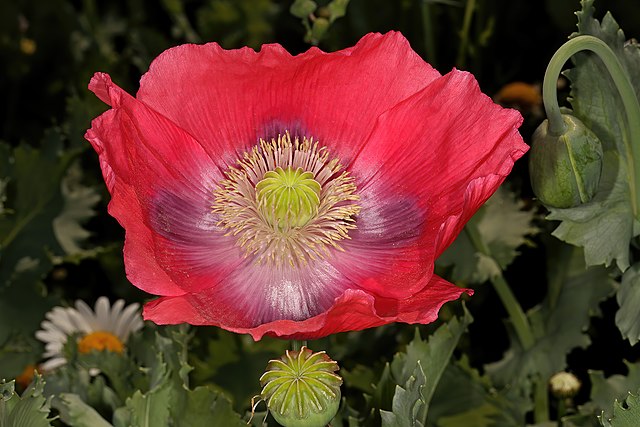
(565, 170)
(303, 8)
(301, 388)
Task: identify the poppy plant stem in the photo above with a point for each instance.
(464, 32)
(514, 309)
(296, 345)
(428, 33)
(518, 320)
(627, 95)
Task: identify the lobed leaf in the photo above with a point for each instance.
(606, 390)
(477, 402)
(29, 410)
(422, 358)
(628, 315)
(75, 412)
(409, 408)
(504, 226)
(560, 322)
(624, 416)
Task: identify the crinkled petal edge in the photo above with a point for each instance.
(352, 311)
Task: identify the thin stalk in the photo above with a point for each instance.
(562, 409)
(428, 34)
(464, 32)
(540, 400)
(518, 320)
(514, 309)
(627, 95)
(296, 345)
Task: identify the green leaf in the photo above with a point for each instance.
(606, 390)
(22, 308)
(170, 404)
(121, 371)
(429, 358)
(79, 201)
(152, 408)
(628, 316)
(169, 401)
(480, 416)
(504, 226)
(75, 412)
(26, 230)
(484, 406)
(409, 408)
(604, 226)
(204, 406)
(624, 416)
(559, 323)
(360, 377)
(29, 410)
(226, 357)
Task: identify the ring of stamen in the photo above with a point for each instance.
(286, 202)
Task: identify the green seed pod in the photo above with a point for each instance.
(565, 170)
(301, 388)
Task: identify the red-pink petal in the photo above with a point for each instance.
(162, 183)
(417, 178)
(352, 311)
(227, 99)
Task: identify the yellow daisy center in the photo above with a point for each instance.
(286, 202)
(101, 341)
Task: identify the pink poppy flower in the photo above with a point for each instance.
(297, 196)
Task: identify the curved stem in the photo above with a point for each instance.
(514, 309)
(625, 89)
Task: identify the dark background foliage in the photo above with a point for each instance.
(50, 49)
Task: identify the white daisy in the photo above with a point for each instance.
(104, 328)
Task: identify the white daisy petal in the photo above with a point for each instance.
(50, 336)
(128, 322)
(52, 364)
(102, 313)
(116, 311)
(80, 322)
(87, 314)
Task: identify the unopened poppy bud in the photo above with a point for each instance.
(565, 170)
(564, 385)
(301, 388)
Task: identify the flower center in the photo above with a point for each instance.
(286, 202)
(100, 340)
(288, 198)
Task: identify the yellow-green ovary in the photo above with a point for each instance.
(288, 197)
